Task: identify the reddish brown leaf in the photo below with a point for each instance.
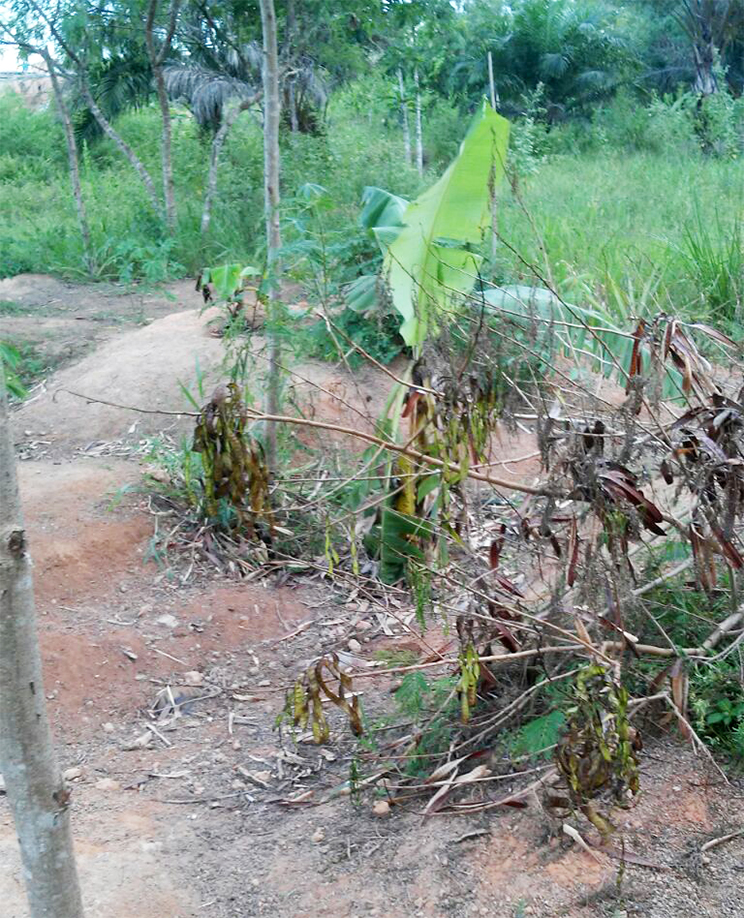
(496, 546)
(636, 358)
(678, 678)
(731, 553)
(410, 402)
(573, 552)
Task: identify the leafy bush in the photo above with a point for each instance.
(528, 142)
(670, 126)
(31, 142)
(378, 336)
(717, 704)
(131, 260)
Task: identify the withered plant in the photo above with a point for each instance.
(542, 584)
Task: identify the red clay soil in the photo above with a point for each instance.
(193, 819)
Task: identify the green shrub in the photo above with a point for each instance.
(31, 141)
(671, 127)
(379, 337)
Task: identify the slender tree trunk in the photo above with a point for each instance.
(491, 83)
(169, 188)
(492, 184)
(37, 794)
(272, 114)
(123, 146)
(419, 127)
(294, 121)
(228, 120)
(404, 114)
(73, 160)
(157, 59)
(289, 40)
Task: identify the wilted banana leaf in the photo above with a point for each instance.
(429, 259)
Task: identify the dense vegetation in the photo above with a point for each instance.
(621, 168)
(623, 198)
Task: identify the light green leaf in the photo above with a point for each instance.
(381, 209)
(228, 280)
(361, 294)
(397, 546)
(430, 254)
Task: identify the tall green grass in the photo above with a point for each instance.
(638, 231)
(632, 229)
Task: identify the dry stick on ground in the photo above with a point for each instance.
(523, 487)
(715, 842)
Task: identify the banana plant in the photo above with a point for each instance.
(428, 244)
(429, 264)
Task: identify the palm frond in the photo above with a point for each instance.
(206, 92)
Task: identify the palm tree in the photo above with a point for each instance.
(578, 51)
(711, 26)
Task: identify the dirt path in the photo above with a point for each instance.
(193, 818)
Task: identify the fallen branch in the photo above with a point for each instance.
(715, 842)
(257, 416)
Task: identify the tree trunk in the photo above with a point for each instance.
(419, 127)
(294, 121)
(169, 188)
(157, 59)
(123, 146)
(492, 184)
(491, 83)
(704, 54)
(289, 40)
(272, 114)
(73, 160)
(404, 114)
(228, 120)
(36, 792)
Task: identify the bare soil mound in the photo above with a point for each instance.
(52, 296)
(144, 368)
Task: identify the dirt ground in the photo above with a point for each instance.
(215, 813)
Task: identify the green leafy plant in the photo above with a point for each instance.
(377, 335)
(429, 245)
(717, 705)
(9, 361)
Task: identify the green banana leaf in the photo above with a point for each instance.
(429, 260)
(598, 335)
(9, 361)
(228, 280)
(382, 214)
(397, 542)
